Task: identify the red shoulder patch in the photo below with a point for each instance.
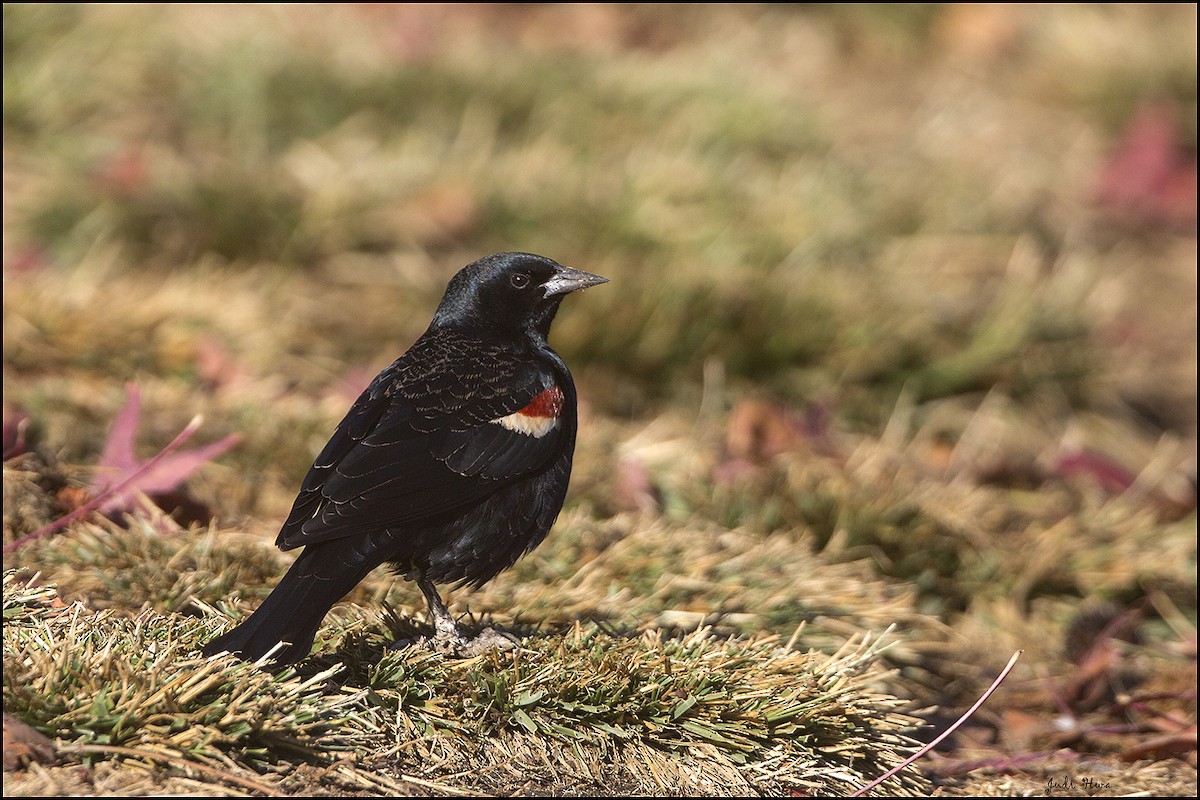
(547, 404)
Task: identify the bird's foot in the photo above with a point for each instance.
(456, 645)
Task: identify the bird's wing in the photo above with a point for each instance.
(421, 442)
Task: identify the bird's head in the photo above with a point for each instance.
(510, 293)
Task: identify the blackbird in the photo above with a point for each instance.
(450, 466)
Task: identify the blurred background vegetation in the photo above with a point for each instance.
(901, 324)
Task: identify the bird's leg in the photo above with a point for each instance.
(445, 629)
(447, 637)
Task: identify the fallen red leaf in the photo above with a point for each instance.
(1150, 179)
(1114, 477)
(118, 464)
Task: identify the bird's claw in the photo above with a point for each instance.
(456, 645)
(459, 646)
(491, 639)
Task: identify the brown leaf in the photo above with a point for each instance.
(1089, 644)
(981, 31)
(1158, 747)
(72, 497)
(758, 430)
(23, 745)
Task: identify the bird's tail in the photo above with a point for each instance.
(293, 612)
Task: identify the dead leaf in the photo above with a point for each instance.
(1158, 747)
(23, 745)
(981, 32)
(118, 464)
(1111, 475)
(1150, 179)
(759, 430)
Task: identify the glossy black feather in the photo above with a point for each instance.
(426, 471)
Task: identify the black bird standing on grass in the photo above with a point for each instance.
(450, 466)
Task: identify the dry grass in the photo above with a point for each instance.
(657, 714)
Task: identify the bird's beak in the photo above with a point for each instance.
(570, 280)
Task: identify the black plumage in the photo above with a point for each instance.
(450, 466)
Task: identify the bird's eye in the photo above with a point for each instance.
(519, 280)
